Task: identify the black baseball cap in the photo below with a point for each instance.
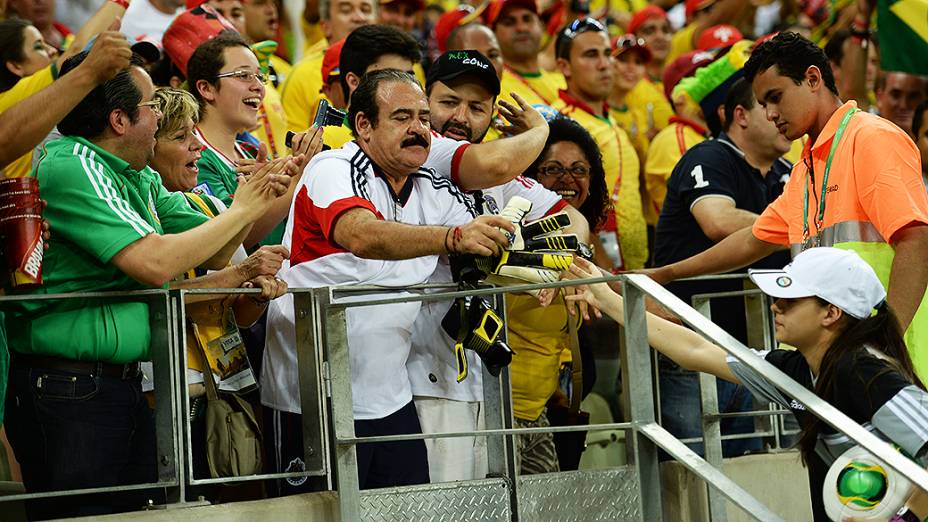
(453, 64)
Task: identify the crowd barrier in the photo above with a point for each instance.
(630, 492)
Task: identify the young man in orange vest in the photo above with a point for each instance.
(858, 186)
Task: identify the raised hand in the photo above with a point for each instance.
(521, 118)
(110, 54)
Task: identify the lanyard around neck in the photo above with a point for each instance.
(839, 133)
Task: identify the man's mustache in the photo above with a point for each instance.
(416, 139)
(458, 126)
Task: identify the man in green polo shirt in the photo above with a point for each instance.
(76, 416)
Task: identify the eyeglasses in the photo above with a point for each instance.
(579, 26)
(244, 76)
(154, 104)
(578, 172)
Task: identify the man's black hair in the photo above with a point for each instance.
(90, 117)
(207, 60)
(834, 49)
(792, 55)
(364, 98)
(565, 38)
(918, 119)
(739, 94)
(597, 205)
(12, 39)
(366, 44)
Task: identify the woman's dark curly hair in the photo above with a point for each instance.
(597, 202)
(12, 38)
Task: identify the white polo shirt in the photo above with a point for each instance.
(432, 366)
(378, 336)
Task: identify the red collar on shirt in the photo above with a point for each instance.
(689, 123)
(582, 105)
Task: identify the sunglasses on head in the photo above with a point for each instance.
(578, 26)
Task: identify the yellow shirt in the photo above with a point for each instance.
(300, 93)
(23, 89)
(666, 150)
(272, 123)
(622, 169)
(282, 68)
(794, 154)
(535, 88)
(648, 98)
(681, 43)
(537, 336)
(336, 137)
(312, 35)
(634, 122)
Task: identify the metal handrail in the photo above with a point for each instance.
(826, 412)
(326, 308)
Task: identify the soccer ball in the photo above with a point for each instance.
(861, 486)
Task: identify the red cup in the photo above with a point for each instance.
(24, 249)
(27, 183)
(14, 210)
(20, 201)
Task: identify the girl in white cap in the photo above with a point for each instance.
(848, 355)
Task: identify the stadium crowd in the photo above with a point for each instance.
(239, 144)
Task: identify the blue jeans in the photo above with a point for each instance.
(681, 409)
(76, 431)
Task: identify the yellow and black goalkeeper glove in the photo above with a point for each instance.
(476, 326)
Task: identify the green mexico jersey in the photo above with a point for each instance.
(221, 181)
(97, 205)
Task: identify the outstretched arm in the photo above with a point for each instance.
(684, 346)
(26, 124)
(738, 250)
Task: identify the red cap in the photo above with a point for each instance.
(448, 22)
(685, 65)
(630, 42)
(648, 13)
(695, 5)
(496, 8)
(195, 3)
(189, 30)
(718, 36)
(330, 60)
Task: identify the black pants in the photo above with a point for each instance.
(380, 464)
(73, 431)
(386, 464)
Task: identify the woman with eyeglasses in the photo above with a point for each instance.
(848, 355)
(571, 166)
(223, 75)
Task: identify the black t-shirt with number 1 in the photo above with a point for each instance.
(714, 168)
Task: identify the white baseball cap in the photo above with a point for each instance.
(838, 276)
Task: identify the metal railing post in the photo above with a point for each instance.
(501, 450)
(339, 369)
(637, 384)
(312, 395)
(162, 313)
(711, 425)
